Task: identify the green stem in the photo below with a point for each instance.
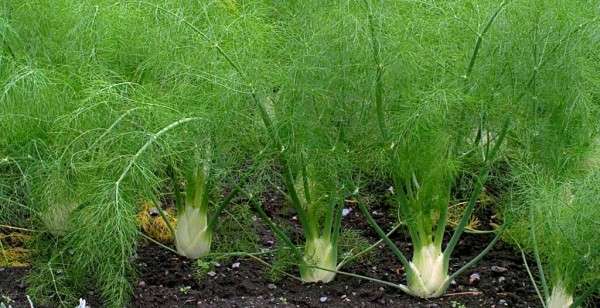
(158, 243)
(383, 236)
(163, 216)
(217, 212)
(536, 254)
(352, 257)
(337, 223)
(479, 256)
(441, 226)
(137, 155)
(480, 40)
(278, 231)
(481, 179)
(537, 290)
(376, 46)
(400, 286)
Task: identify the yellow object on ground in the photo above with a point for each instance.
(12, 250)
(153, 225)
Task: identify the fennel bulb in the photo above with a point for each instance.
(428, 275)
(192, 235)
(318, 252)
(560, 297)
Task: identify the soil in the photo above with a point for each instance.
(168, 280)
(12, 286)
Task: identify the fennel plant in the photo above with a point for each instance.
(196, 222)
(562, 221)
(422, 162)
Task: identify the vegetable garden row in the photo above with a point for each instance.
(196, 110)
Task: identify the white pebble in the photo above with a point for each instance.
(345, 212)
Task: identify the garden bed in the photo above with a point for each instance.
(169, 280)
(166, 280)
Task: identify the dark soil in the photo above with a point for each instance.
(12, 286)
(167, 280)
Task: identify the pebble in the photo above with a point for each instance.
(211, 274)
(502, 279)
(499, 269)
(323, 299)
(345, 212)
(235, 265)
(502, 302)
(153, 212)
(142, 284)
(474, 279)
(271, 286)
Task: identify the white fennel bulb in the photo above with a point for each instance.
(428, 276)
(321, 253)
(192, 235)
(560, 297)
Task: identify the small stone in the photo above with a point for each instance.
(323, 299)
(153, 212)
(499, 269)
(474, 279)
(211, 274)
(344, 296)
(345, 212)
(271, 286)
(142, 284)
(502, 279)
(502, 302)
(217, 264)
(294, 217)
(453, 282)
(235, 265)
